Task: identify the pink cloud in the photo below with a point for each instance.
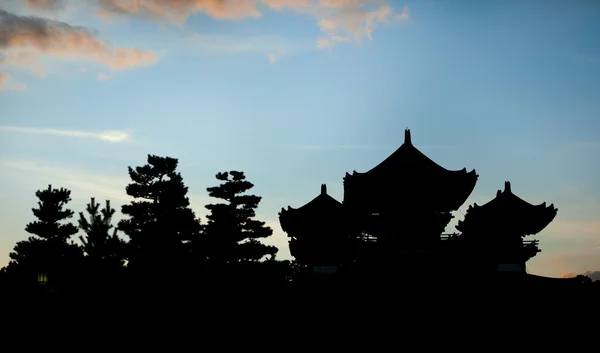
(31, 37)
(340, 20)
(177, 11)
(594, 275)
(44, 4)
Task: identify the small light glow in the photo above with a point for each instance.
(42, 278)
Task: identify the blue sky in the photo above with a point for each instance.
(297, 93)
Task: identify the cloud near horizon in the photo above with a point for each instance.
(84, 184)
(592, 274)
(24, 39)
(108, 136)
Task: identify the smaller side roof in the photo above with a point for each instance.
(320, 206)
(508, 211)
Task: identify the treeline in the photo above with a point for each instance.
(164, 247)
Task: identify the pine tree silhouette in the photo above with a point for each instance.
(50, 213)
(98, 243)
(160, 223)
(49, 250)
(232, 235)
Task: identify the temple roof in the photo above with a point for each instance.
(408, 158)
(415, 177)
(321, 206)
(319, 203)
(507, 209)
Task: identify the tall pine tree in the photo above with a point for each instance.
(49, 250)
(232, 235)
(160, 222)
(101, 247)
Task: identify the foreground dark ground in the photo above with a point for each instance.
(264, 282)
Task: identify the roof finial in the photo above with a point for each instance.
(407, 140)
(323, 189)
(507, 186)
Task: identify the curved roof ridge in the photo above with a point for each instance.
(323, 200)
(507, 195)
(407, 153)
(512, 209)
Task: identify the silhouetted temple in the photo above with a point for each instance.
(390, 226)
(318, 231)
(501, 226)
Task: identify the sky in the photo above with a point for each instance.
(296, 93)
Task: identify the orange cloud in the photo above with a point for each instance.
(32, 37)
(340, 20)
(177, 11)
(44, 4)
(594, 275)
(3, 79)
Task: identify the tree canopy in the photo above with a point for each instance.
(160, 222)
(98, 243)
(232, 235)
(49, 249)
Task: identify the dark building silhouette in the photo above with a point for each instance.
(390, 228)
(501, 225)
(319, 232)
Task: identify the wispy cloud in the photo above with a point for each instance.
(27, 39)
(339, 20)
(238, 44)
(103, 76)
(108, 136)
(84, 184)
(273, 48)
(18, 87)
(24, 39)
(13, 86)
(347, 20)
